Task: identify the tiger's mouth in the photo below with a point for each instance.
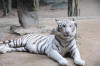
(66, 35)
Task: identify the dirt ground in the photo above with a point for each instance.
(88, 43)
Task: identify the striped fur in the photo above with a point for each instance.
(54, 46)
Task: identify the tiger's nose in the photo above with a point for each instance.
(67, 33)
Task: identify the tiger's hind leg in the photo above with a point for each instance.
(5, 48)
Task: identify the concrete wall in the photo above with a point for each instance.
(89, 7)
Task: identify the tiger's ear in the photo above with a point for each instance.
(73, 19)
(75, 24)
(57, 21)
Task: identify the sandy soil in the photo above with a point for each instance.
(88, 43)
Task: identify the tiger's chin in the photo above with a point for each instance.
(67, 36)
(64, 37)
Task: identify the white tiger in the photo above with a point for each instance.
(55, 46)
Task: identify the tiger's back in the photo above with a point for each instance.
(38, 43)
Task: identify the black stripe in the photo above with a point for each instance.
(39, 43)
(69, 42)
(9, 41)
(73, 54)
(71, 47)
(26, 36)
(67, 45)
(38, 38)
(21, 44)
(31, 37)
(57, 47)
(59, 41)
(4, 42)
(9, 45)
(46, 48)
(17, 42)
(20, 41)
(14, 43)
(42, 45)
(73, 51)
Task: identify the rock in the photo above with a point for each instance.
(36, 30)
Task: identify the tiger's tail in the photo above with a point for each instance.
(12, 45)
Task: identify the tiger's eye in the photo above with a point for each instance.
(70, 25)
(59, 26)
(64, 25)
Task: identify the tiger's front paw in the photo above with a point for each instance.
(79, 62)
(63, 62)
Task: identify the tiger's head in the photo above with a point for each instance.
(65, 28)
